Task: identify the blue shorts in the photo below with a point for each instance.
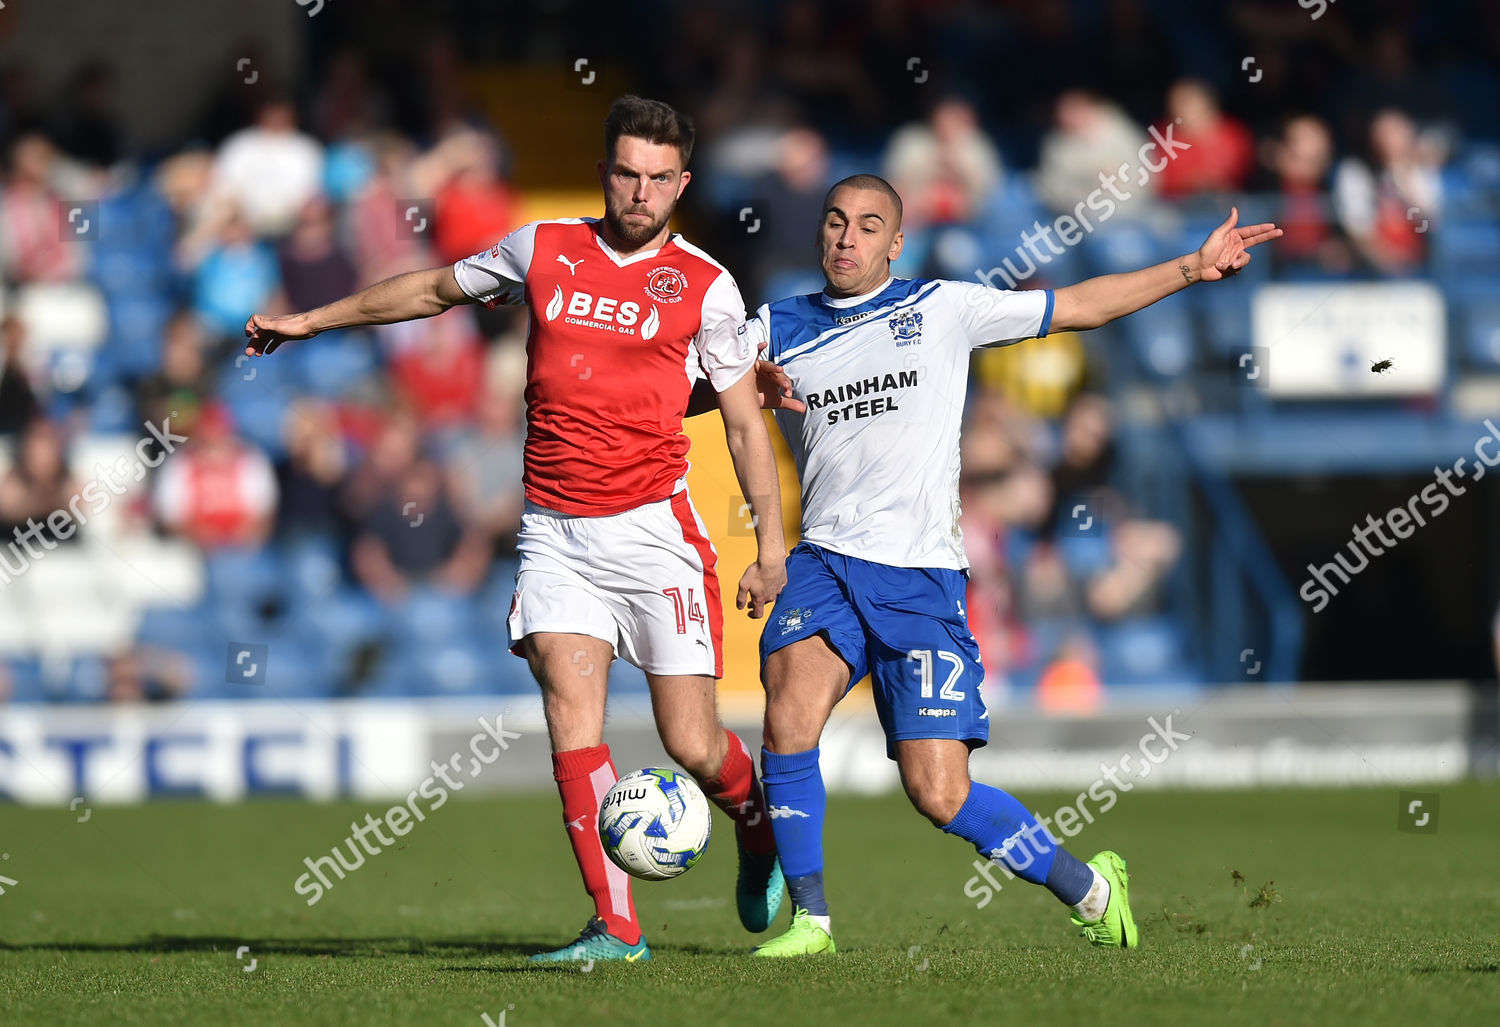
(904, 626)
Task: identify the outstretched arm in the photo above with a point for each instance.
(402, 298)
(755, 467)
(1101, 300)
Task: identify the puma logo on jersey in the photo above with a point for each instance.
(572, 264)
(577, 825)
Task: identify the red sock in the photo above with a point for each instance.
(737, 792)
(583, 777)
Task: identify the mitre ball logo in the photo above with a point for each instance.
(667, 284)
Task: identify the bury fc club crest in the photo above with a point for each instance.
(906, 326)
(793, 620)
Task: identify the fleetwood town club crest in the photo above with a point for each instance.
(906, 326)
(666, 284)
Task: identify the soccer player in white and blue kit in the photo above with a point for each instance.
(877, 583)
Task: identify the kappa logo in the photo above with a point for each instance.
(572, 264)
(666, 284)
(906, 326)
(786, 813)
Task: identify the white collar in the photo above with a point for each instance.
(626, 261)
(854, 301)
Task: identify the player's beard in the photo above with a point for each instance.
(635, 233)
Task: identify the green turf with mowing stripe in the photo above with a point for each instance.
(135, 917)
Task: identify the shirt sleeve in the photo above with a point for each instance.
(498, 275)
(992, 317)
(723, 341)
(758, 331)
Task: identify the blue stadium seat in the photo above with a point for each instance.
(1162, 334)
(258, 416)
(246, 577)
(430, 616)
(1147, 651)
(1481, 330)
(349, 615)
(1122, 246)
(27, 684)
(1466, 249)
(87, 681)
(170, 626)
(333, 364)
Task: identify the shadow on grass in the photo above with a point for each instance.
(377, 947)
(368, 948)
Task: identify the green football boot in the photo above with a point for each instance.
(593, 945)
(1116, 928)
(757, 891)
(804, 938)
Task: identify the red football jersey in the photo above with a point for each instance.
(613, 349)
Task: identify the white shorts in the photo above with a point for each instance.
(642, 580)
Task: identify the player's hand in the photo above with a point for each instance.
(265, 332)
(775, 386)
(1227, 248)
(761, 583)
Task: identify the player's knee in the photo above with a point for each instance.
(790, 727)
(693, 753)
(937, 798)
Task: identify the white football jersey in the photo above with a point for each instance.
(884, 377)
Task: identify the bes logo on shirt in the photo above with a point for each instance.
(666, 284)
(906, 326)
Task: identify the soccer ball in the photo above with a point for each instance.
(655, 823)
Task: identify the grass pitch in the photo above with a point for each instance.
(152, 915)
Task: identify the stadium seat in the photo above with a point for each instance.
(248, 577)
(76, 604)
(1147, 651)
(1121, 246)
(1162, 336)
(150, 570)
(27, 683)
(87, 681)
(1466, 249)
(138, 319)
(1481, 330)
(333, 364)
(430, 616)
(61, 315)
(165, 626)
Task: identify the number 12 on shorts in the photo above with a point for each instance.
(923, 659)
(689, 611)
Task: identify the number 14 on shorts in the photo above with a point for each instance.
(686, 611)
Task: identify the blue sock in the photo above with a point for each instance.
(796, 801)
(1005, 831)
(1070, 877)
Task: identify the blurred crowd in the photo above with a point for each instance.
(358, 495)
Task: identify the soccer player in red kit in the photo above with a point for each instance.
(624, 315)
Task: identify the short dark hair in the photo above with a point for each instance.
(866, 181)
(651, 120)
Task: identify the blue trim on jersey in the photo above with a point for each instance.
(1046, 317)
(804, 324)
